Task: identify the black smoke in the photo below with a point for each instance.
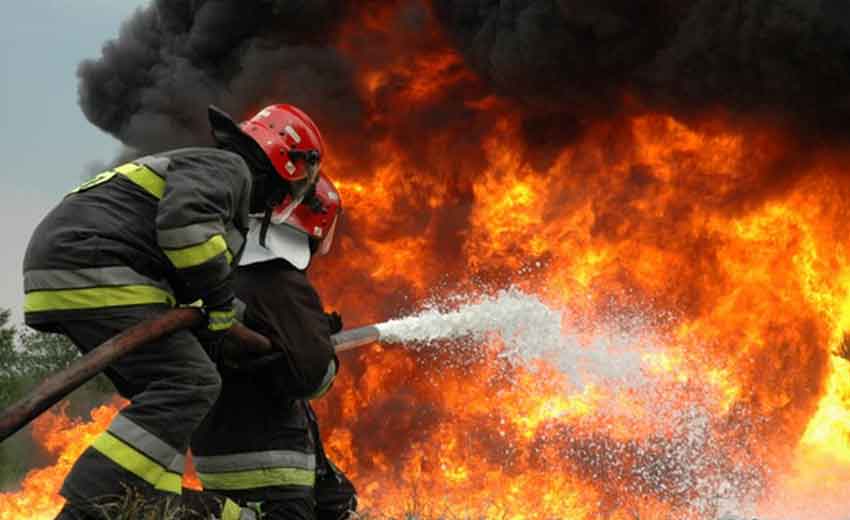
(151, 86)
(784, 59)
(564, 61)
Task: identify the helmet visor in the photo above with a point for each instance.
(327, 242)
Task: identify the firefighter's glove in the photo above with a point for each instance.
(334, 322)
(220, 318)
(218, 307)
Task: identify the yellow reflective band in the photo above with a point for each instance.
(170, 482)
(95, 298)
(258, 478)
(137, 463)
(143, 177)
(221, 320)
(198, 254)
(100, 178)
(140, 175)
(231, 510)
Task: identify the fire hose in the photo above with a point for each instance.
(61, 383)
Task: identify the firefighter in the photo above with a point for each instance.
(260, 446)
(162, 230)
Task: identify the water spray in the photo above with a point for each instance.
(524, 323)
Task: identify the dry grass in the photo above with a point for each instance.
(133, 506)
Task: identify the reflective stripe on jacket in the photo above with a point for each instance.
(251, 470)
(97, 287)
(161, 229)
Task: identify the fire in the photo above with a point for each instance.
(718, 244)
(741, 284)
(64, 438)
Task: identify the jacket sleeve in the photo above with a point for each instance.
(282, 305)
(204, 194)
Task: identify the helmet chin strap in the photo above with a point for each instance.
(297, 191)
(269, 217)
(264, 227)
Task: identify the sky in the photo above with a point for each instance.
(46, 143)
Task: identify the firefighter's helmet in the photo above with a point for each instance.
(290, 139)
(317, 216)
(279, 139)
(296, 236)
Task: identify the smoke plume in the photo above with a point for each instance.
(151, 86)
(770, 57)
(563, 61)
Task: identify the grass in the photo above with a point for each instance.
(134, 506)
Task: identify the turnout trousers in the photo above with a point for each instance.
(171, 384)
(293, 480)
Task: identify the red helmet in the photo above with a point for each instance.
(317, 216)
(296, 235)
(290, 139)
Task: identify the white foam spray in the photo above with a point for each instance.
(530, 330)
(524, 323)
(608, 352)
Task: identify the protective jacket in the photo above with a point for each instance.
(162, 229)
(122, 248)
(259, 443)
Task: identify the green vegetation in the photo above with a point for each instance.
(26, 358)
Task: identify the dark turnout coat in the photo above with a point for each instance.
(260, 441)
(159, 230)
(121, 248)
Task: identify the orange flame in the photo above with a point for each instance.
(722, 238)
(65, 439)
